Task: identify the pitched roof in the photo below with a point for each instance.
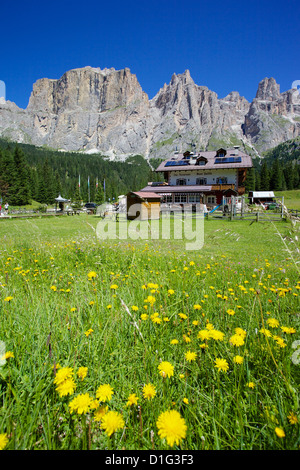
(175, 189)
(146, 194)
(234, 158)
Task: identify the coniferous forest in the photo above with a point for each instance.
(31, 173)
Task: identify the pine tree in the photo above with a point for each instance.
(276, 176)
(6, 175)
(20, 185)
(99, 196)
(264, 177)
(250, 180)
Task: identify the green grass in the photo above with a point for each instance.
(248, 269)
(291, 198)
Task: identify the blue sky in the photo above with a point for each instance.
(227, 46)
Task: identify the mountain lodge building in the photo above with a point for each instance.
(203, 177)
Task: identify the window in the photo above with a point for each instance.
(201, 161)
(211, 199)
(201, 181)
(222, 180)
(166, 198)
(180, 198)
(181, 182)
(194, 197)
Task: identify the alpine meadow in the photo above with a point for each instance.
(141, 345)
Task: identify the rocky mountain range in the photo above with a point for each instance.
(106, 111)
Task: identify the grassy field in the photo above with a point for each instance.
(291, 198)
(146, 345)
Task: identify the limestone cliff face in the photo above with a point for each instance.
(90, 109)
(273, 117)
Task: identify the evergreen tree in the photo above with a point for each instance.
(20, 180)
(6, 175)
(250, 180)
(276, 176)
(99, 196)
(264, 177)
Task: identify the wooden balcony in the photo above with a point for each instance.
(222, 187)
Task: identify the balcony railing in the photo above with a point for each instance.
(222, 187)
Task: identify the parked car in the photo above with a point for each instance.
(91, 207)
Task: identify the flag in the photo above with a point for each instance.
(88, 181)
(104, 184)
(79, 182)
(97, 183)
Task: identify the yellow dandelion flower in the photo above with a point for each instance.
(251, 385)
(157, 320)
(67, 387)
(221, 365)
(174, 341)
(100, 412)
(265, 332)
(272, 322)
(230, 311)
(203, 335)
(8, 355)
(182, 315)
(186, 338)
(216, 335)
(3, 441)
(190, 356)
(8, 299)
(144, 316)
(237, 340)
(171, 426)
(104, 392)
(134, 308)
(112, 421)
(292, 418)
(241, 332)
(114, 287)
(92, 275)
(81, 403)
(166, 369)
(132, 399)
(279, 432)
(149, 391)
(238, 359)
(63, 374)
(82, 372)
(88, 332)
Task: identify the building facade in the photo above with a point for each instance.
(203, 177)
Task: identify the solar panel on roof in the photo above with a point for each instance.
(228, 160)
(177, 163)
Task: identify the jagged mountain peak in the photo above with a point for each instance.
(106, 109)
(268, 89)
